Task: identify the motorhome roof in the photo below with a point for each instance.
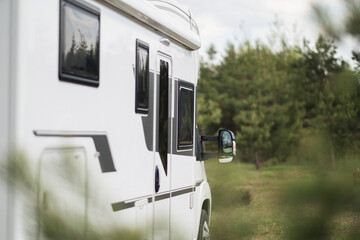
(166, 16)
(173, 4)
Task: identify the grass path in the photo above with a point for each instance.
(249, 203)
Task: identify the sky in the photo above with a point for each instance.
(223, 21)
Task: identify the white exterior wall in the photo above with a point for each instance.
(5, 73)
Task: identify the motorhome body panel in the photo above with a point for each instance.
(100, 125)
(147, 13)
(6, 24)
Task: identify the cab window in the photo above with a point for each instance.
(185, 115)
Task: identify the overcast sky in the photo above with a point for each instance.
(221, 21)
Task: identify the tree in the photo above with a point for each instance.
(211, 52)
(341, 98)
(321, 65)
(272, 98)
(252, 89)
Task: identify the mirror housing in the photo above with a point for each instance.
(226, 147)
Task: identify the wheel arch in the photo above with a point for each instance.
(207, 207)
(203, 203)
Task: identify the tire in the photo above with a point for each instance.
(204, 231)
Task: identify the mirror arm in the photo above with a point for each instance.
(203, 155)
(206, 156)
(209, 138)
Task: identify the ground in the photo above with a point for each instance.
(281, 202)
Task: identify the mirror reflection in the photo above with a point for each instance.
(226, 142)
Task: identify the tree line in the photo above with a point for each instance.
(282, 104)
(300, 102)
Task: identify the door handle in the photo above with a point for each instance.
(157, 179)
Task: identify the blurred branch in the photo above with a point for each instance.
(324, 19)
(350, 24)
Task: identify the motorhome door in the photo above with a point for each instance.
(163, 149)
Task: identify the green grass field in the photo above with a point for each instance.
(282, 202)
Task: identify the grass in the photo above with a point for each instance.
(282, 202)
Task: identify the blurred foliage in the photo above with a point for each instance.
(329, 196)
(53, 223)
(17, 172)
(56, 227)
(274, 99)
(349, 26)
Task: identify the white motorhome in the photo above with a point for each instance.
(100, 98)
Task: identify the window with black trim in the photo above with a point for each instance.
(79, 42)
(185, 115)
(142, 77)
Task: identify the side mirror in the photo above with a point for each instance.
(227, 146)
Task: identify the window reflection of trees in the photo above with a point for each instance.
(142, 83)
(186, 117)
(82, 60)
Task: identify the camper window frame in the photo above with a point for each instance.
(145, 46)
(188, 86)
(85, 6)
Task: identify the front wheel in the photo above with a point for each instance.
(204, 231)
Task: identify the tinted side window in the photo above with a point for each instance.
(185, 116)
(142, 77)
(79, 42)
